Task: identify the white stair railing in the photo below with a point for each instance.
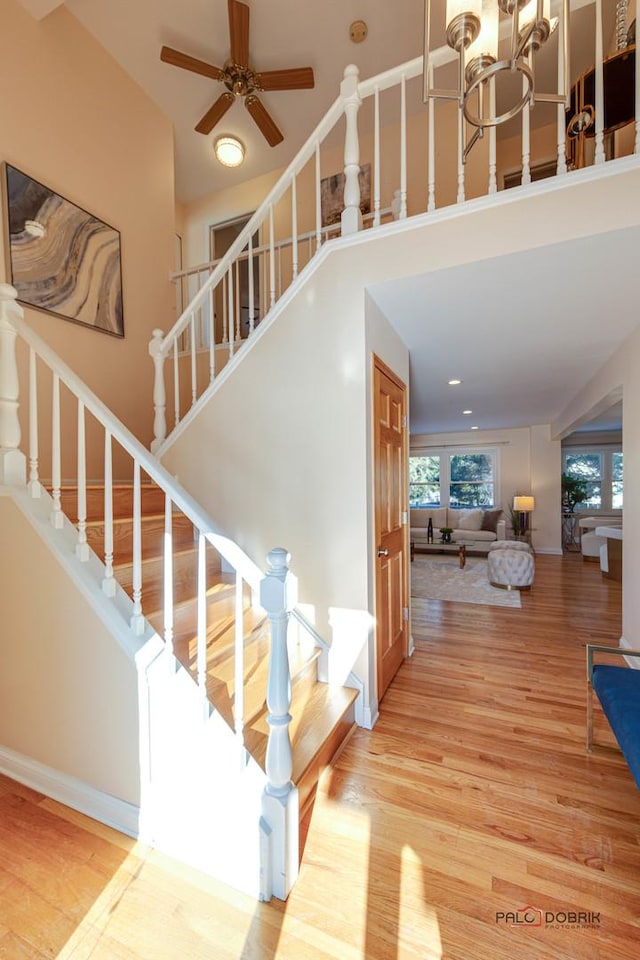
(134, 460)
(217, 322)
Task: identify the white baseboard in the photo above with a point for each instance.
(370, 717)
(553, 551)
(113, 812)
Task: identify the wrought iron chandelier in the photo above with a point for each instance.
(476, 29)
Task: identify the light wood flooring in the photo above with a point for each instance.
(472, 797)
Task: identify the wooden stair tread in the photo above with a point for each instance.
(318, 710)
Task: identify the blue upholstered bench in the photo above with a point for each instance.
(618, 691)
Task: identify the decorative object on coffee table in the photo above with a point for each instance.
(446, 534)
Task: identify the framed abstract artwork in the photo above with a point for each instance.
(62, 259)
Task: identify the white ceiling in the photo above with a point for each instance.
(570, 315)
(523, 332)
(283, 33)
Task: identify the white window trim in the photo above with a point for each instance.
(605, 452)
(445, 467)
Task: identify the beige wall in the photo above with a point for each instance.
(529, 463)
(71, 118)
(68, 693)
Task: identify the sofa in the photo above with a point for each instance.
(476, 526)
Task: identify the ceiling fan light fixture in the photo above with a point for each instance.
(229, 151)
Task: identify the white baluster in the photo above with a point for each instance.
(82, 547)
(109, 583)
(351, 218)
(599, 105)
(176, 384)
(637, 89)
(272, 259)
(294, 227)
(159, 396)
(526, 134)
(230, 308)
(137, 620)
(403, 148)
(201, 649)
(238, 696)
(493, 182)
(34, 480)
(280, 798)
(13, 464)
(212, 337)
(238, 303)
(318, 201)
(168, 574)
(563, 27)
(460, 195)
(251, 290)
(225, 319)
(431, 163)
(376, 157)
(194, 374)
(57, 519)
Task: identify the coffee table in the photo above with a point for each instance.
(454, 546)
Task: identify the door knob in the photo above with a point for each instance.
(383, 552)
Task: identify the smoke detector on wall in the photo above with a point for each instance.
(358, 31)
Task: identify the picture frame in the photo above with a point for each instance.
(60, 258)
(332, 195)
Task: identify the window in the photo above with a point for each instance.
(459, 478)
(602, 470)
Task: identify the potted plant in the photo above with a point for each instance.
(574, 491)
(446, 534)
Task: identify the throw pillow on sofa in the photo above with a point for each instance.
(490, 520)
(467, 519)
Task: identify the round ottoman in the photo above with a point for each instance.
(511, 569)
(510, 545)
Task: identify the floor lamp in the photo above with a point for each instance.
(523, 506)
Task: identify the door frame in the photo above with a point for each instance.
(377, 362)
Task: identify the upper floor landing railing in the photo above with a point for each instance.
(400, 158)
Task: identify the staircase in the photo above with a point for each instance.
(323, 715)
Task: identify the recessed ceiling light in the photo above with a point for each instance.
(229, 151)
(454, 383)
(475, 428)
(466, 413)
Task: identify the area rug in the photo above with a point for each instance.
(441, 578)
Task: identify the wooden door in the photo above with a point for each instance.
(391, 534)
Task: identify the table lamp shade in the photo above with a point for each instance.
(524, 504)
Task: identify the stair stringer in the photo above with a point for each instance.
(192, 792)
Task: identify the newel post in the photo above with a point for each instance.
(278, 595)
(13, 463)
(351, 218)
(159, 396)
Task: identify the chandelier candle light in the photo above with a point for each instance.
(475, 30)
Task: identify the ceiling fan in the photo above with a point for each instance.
(239, 79)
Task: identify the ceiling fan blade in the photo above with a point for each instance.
(298, 78)
(267, 125)
(239, 32)
(177, 59)
(215, 113)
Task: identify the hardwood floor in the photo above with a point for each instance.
(472, 798)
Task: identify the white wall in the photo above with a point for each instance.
(68, 693)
